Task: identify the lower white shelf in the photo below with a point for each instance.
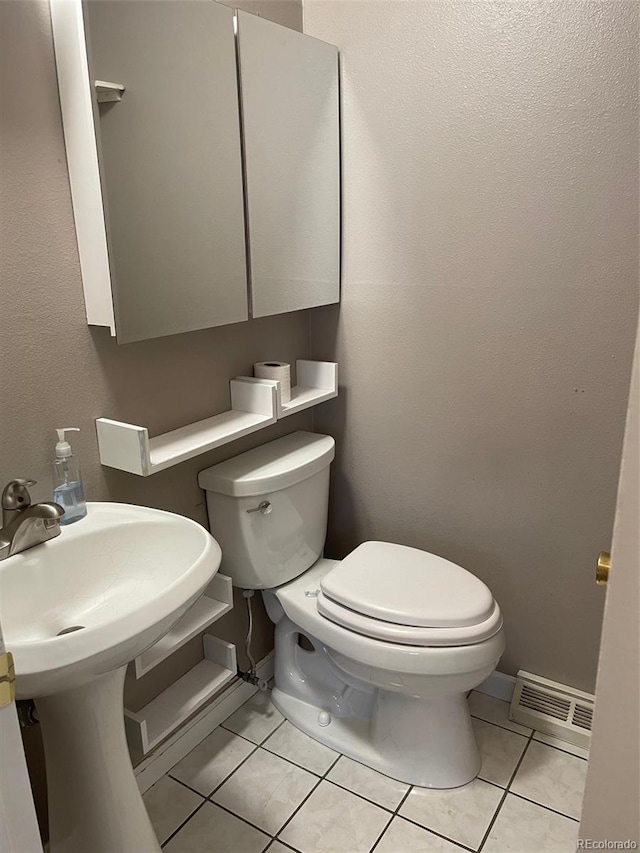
(317, 382)
(216, 601)
(150, 725)
(304, 398)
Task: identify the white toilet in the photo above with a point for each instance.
(398, 635)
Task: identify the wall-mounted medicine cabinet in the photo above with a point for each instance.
(188, 213)
(292, 166)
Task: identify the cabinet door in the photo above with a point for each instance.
(170, 164)
(289, 88)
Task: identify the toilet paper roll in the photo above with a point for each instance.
(279, 370)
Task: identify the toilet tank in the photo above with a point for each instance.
(263, 549)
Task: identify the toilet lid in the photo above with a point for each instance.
(406, 586)
(408, 635)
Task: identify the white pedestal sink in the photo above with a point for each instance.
(75, 611)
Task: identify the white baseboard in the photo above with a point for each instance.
(499, 685)
(154, 766)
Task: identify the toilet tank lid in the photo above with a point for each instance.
(270, 467)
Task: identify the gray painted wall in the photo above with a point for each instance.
(490, 285)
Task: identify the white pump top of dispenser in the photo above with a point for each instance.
(63, 448)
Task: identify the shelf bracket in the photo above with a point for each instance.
(108, 93)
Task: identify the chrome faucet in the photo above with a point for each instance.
(25, 524)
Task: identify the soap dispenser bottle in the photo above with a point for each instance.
(67, 480)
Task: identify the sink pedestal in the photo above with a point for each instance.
(94, 801)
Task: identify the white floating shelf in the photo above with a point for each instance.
(108, 92)
(255, 403)
(317, 382)
(153, 723)
(216, 601)
(128, 447)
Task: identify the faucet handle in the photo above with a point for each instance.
(15, 494)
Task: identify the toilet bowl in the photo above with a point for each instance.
(395, 636)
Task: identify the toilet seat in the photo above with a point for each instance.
(298, 599)
(408, 634)
(400, 594)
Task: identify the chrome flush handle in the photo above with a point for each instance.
(264, 507)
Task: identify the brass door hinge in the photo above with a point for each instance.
(7, 680)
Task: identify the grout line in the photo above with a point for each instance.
(235, 770)
(438, 834)
(415, 823)
(493, 784)
(504, 796)
(258, 692)
(207, 798)
(215, 788)
(493, 820)
(260, 743)
(505, 787)
(188, 787)
(283, 843)
(403, 799)
(315, 787)
(301, 766)
(396, 813)
(362, 797)
(323, 778)
(184, 823)
(392, 812)
(228, 776)
(542, 806)
(243, 819)
(296, 810)
(379, 838)
(231, 732)
(279, 726)
(504, 728)
(333, 764)
(559, 748)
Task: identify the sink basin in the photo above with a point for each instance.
(121, 577)
(75, 610)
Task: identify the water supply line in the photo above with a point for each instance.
(251, 675)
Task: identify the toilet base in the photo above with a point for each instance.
(423, 740)
(414, 740)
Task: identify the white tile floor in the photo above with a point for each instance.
(258, 784)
